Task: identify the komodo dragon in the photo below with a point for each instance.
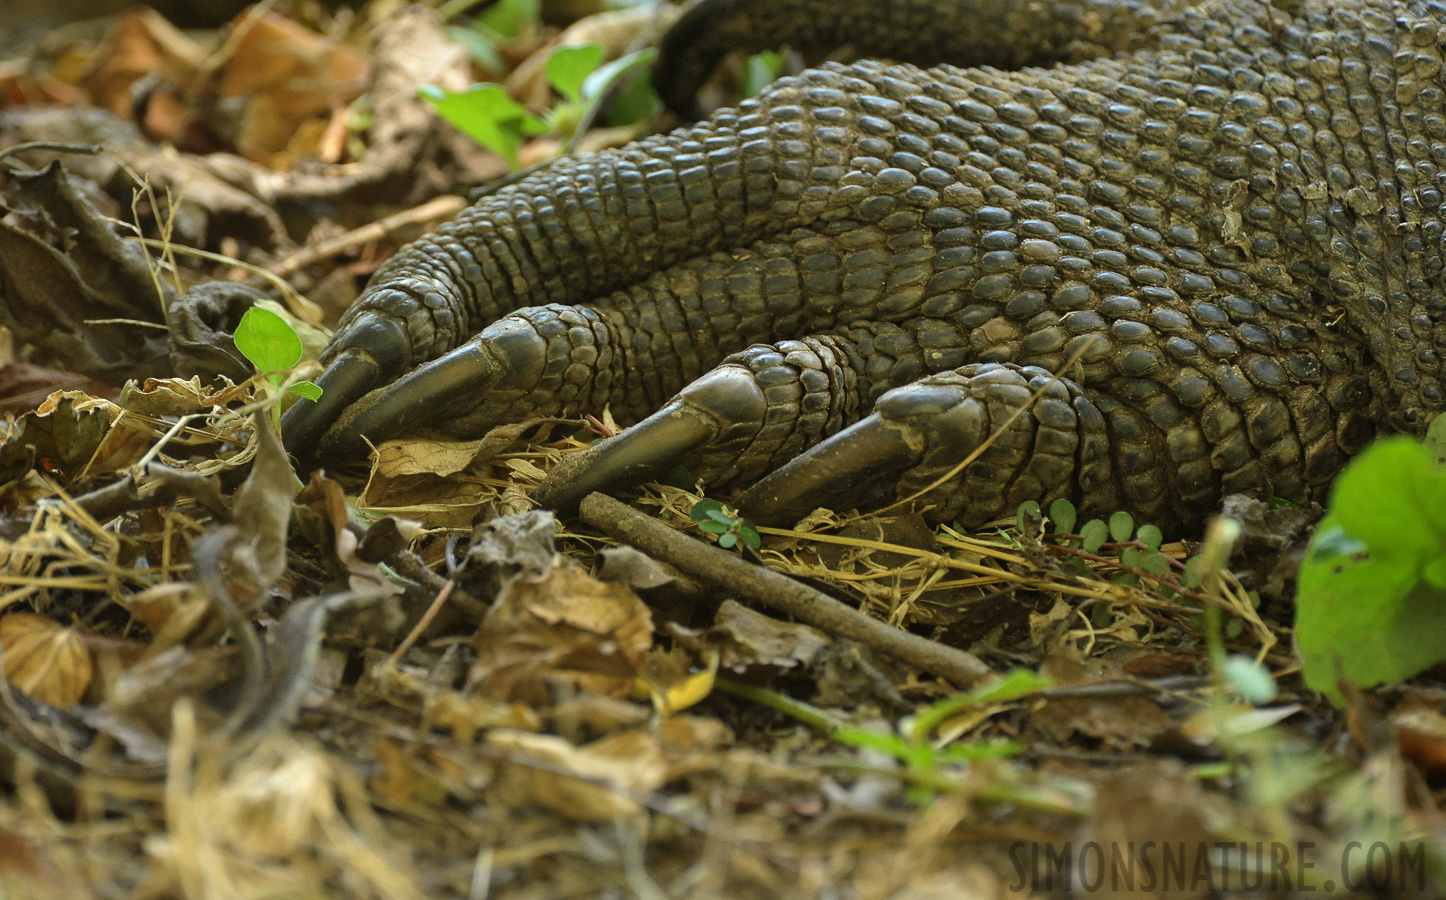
(1225, 218)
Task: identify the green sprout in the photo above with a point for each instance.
(724, 523)
(496, 26)
(274, 348)
(913, 743)
(485, 112)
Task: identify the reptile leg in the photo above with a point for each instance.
(590, 225)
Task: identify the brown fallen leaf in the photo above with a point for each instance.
(1420, 728)
(45, 660)
(284, 75)
(593, 783)
(561, 624)
(59, 441)
(1119, 722)
(141, 44)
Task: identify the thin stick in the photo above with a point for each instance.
(441, 208)
(423, 622)
(778, 592)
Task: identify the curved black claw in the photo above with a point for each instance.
(1047, 436)
(376, 348)
(835, 474)
(724, 407)
(506, 358)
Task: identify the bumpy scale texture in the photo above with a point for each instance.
(1228, 216)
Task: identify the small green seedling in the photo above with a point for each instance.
(485, 112)
(274, 348)
(913, 742)
(496, 26)
(724, 523)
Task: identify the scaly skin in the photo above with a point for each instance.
(1231, 215)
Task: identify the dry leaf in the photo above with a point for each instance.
(45, 660)
(1120, 722)
(671, 685)
(561, 624)
(286, 75)
(609, 772)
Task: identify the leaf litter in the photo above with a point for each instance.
(408, 683)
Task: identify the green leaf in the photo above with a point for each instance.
(267, 340)
(750, 537)
(714, 527)
(702, 508)
(1156, 563)
(1369, 607)
(1250, 679)
(1122, 525)
(762, 69)
(1095, 533)
(726, 541)
(1130, 557)
(635, 101)
(1150, 536)
(1434, 573)
(1194, 572)
(1063, 515)
(485, 113)
(481, 45)
(570, 65)
(1027, 517)
(307, 389)
(723, 516)
(510, 18)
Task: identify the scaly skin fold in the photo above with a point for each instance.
(1226, 220)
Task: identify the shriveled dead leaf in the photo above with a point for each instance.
(164, 397)
(609, 772)
(123, 444)
(44, 659)
(747, 637)
(561, 625)
(396, 459)
(1121, 722)
(1420, 726)
(72, 286)
(172, 611)
(137, 707)
(262, 513)
(59, 441)
(671, 684)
